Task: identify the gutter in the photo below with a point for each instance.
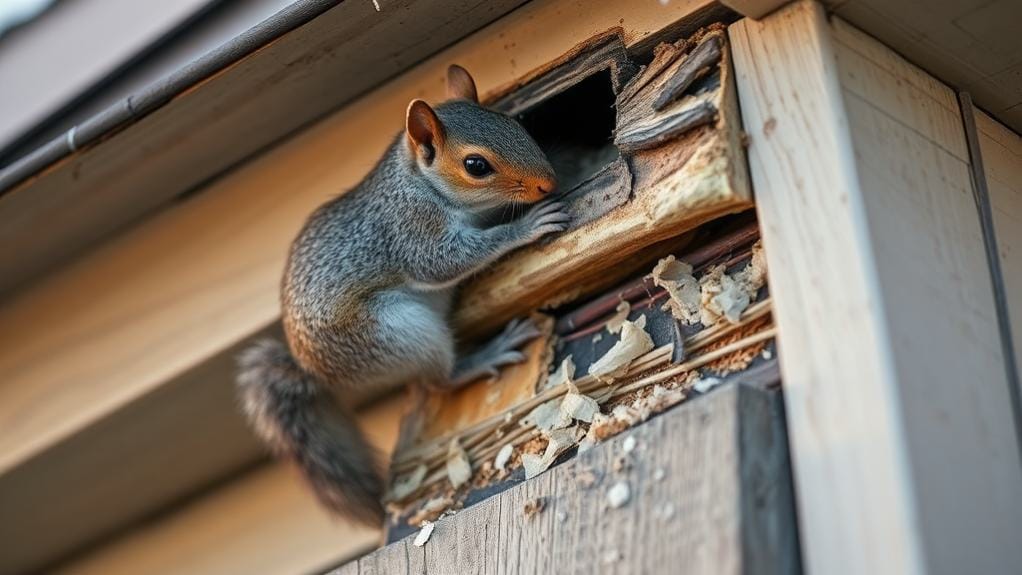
(135, 106)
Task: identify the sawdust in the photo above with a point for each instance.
(741, 359)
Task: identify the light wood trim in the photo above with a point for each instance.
(898, 411)
(1002, 160)
(263, 522)
(199, 277)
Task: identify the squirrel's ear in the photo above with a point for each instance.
(424, 130)
(460, 84)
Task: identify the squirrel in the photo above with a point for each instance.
(369, 283)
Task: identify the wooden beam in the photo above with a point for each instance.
(709, 493)
(261, 522)
(901, 430)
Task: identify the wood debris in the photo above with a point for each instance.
(547, 417)
(659, 104)
(503, 456)
(534, 507)
(619, 494)
(424, 534)
(633, 343)
(563, 375)
(579, 407)
(617, 321)
(459, 469)
(431, 510)
(629, 444)
(722, 296)
(705, 384)
(405, 486)
(559, 441)
(682, 289)
(714, 296)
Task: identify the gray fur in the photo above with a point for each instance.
(366, 296)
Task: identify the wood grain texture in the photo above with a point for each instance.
(150, 321)
(724, 504)
(1002, 159)
(892, 371)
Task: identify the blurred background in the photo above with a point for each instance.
(57, 72)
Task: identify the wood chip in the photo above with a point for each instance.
(633, 343)
(706, 384)
(683, 290)
(617, 321)
(563, 375)
(619, 494)
(559, 441)
(459, 469)
(424, 534)
(579, 407)
(547, 417)
(503, 456)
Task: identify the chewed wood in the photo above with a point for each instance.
(710, 494)
(706, 179)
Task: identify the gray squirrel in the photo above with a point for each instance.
(369, 282)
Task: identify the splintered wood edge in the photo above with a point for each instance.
(712, 183)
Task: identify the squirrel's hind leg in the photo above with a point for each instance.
(499, 352)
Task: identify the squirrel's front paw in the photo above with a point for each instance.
(546, 217)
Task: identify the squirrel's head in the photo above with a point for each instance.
(479, 157)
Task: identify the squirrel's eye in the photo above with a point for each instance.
(477, 166)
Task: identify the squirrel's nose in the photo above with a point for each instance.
(545, 185)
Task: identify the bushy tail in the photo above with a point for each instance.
(301, 421)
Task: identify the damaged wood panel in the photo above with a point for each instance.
(708, 488)
(684, 181)
(863, 190)
(602, 52)
(635, 353)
